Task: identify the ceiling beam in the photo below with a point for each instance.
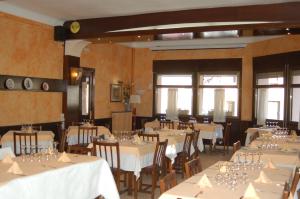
(272, 13)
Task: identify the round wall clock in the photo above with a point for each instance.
(75, 27)
(9, 83)
(27, 83)
(45, 86)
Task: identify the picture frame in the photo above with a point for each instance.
(115, 92)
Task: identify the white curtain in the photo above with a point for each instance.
(262, 106)
(172, 110)
(219, 106)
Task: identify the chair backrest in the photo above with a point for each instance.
(193, 167)
(78, 150)
(110, 151)
(185, 125)
(63, 139)
(29, 140)
(295, 181)
(195, 144)
(226, 135)
(166, 123)
(85, 133)
(153, 137)
(236, 146)
(160, 154)
(167, 182)
(187, 143)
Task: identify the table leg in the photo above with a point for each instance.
(135, 184)
(130, 178)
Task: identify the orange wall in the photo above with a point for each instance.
(144, 58)
(27, 49)
(113, 63)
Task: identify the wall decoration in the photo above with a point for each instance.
(45, 86)
(27, 83)
(10, 83)
(115, 92)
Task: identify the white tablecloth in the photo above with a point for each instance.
(45, 139)
(6, 151)
(87, 177)
(252, 131)
(72, 137)
(189, 188)
(210, 132)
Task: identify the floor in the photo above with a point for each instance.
(207, 159)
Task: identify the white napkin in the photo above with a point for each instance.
(270, 165)
(137, 139)
(7, 160)
(64, 158)
(262, 178)
(223, 169)
(250, 192)
(50, 151)
(15, 169)
(204, 182)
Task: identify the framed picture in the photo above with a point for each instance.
(115, 92)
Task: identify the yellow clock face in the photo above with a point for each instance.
(75, 27)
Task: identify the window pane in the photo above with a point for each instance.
(185, 80)
(296, 77)
(218, 80)
(206, 101)
(173, 99)
(295, 104)
(269, 104)
(275, 78)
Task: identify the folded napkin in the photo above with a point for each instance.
(204, 182)
(250, 192)
(111, 138)
(50, 151)
(223, 169)
(15, 169)
(270, 165)
(262, 178)
(64, 158)
(7, 160)
(137, 139)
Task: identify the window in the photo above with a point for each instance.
(269, 102)
(174, 93)
(295, 96)
(218, 95)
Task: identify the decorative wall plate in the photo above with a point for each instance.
(75, 27)
(10, 83)
(45, 86)
(27, 83)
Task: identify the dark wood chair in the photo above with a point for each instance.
(226, 137)
(295, 181)
(196, 152)
(29, 140)
(85, 134)
(193, 167)
(79, 150)
(185, 125)
(110, 151)
(166, 123)
(167, 182)
(286, 192)
(236, 146)
(184, 156)
(298, 193)
(63, 141)
(154, 137)
(155, 169)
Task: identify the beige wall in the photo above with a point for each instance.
(144, 58)
(113, 63)
(27, 49)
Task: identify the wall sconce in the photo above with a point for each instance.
(75, 75)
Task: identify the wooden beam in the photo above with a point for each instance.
(272, 13)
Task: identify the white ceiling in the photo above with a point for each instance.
(57, 11)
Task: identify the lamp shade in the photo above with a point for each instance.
(135, 99)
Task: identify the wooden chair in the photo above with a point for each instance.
(286, 192)
(193, 167)
(154, 137)
(295, 182)
(29, 140)
(236, 146)
(298, 193)
(196, 152)
(63, 140)
(184, 155)
(226, 137)
(167, 182)
(185, 125)
(111, 153)
(156, 169)
(85, 134)
(79, 150)
(166, 123)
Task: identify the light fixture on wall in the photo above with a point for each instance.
(134, 99)
(75, 75)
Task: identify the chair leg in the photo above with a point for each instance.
(153, 185)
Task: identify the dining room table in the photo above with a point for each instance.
(213, 183)
(45, 139)
(260, 130)
(45, 176)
